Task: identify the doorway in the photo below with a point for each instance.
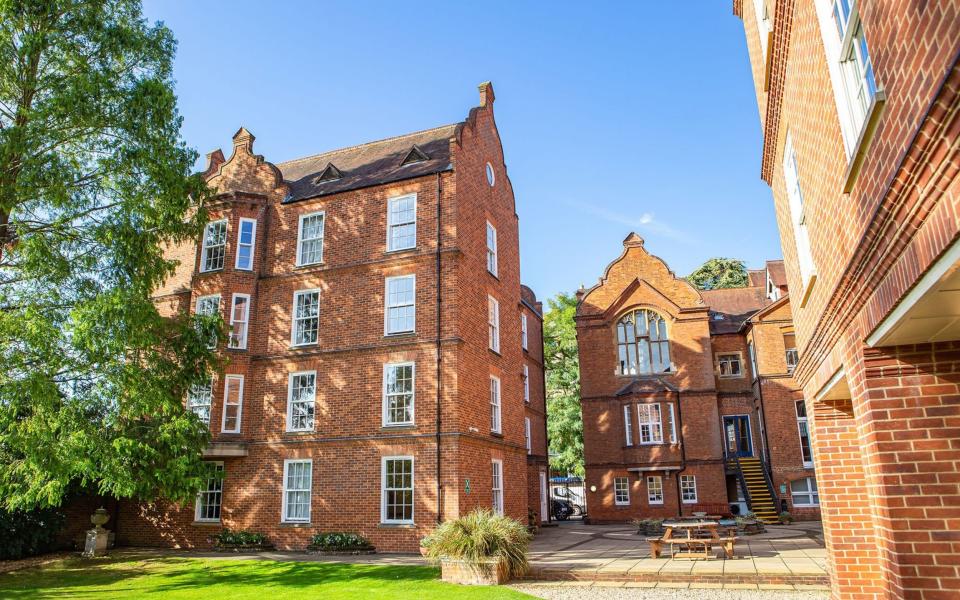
(736, 432)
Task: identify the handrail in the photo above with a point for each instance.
(769, 482)
(743, 481)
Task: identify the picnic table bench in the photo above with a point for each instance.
(694, 544)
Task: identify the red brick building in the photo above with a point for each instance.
(385, 365)
(859, 105)
(689, 401)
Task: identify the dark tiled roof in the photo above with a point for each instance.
(778, 274)
(369, 164)
(729, 308)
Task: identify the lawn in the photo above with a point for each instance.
(189, 578)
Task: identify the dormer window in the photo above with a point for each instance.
(330, 173)
(415, 155)
(642, 344)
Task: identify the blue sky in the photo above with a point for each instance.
(631, 116)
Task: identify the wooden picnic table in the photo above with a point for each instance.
(688, 535)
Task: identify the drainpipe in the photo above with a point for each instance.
(763, 413)
(439, 351)
(683, 454)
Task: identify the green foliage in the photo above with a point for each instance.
(482, 535)
(561, 358)
(340, 541)
(719, 273)
(229, 537)
(94, 184)
(28, 533)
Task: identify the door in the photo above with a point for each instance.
(737, 434)
(543, 497)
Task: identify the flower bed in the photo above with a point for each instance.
(228, 540)
(340, 543)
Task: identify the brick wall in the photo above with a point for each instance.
(878, 415)
(349, 438)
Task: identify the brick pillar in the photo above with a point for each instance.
(844, 501)
(912, 446)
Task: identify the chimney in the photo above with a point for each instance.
(486, 94)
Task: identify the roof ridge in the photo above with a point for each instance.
(387, 139)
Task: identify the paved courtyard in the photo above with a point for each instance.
(784, 555)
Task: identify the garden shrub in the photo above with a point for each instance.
(479, 536)
(228, 537)
(340, 542)
(28, 533)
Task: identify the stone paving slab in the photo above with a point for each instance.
(782, 556)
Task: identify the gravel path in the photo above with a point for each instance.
(570, 592)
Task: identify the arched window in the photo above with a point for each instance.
(642, 344)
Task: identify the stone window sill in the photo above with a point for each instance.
(295, 525)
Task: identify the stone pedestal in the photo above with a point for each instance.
(98, 538)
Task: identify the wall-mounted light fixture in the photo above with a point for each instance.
(593, 488)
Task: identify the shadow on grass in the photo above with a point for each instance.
(77, 578)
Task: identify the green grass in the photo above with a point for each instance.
(189, 578)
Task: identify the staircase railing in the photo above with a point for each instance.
(769, 482)
(743, 481)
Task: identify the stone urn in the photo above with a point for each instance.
(97, 538)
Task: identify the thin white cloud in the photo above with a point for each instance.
(645, 222)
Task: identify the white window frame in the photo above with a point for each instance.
(386, 395)
(216, 311)
(809, 493)
(300, 241)
(843, 58)
(252, 245)
(217, 491)
(207, 390)
(204, 247)
(671, 423)
(801, 235)
(309, 490)
(523, 330)
(496, 486)
(654, 492)
(526, 435)
(688, 483)
(496, 423)
(654, 425)
(526, 384)
(226, 397)
(764, 25)
(621, 491)
(492, 266)
(294, 319)
(387, 306)
(493, 323)
(803, 423)
(384, 490)
(391, 224)
(290, 379)
(628, 423)
(730, 358)
(239, 343)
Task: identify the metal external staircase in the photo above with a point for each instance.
(758, 488)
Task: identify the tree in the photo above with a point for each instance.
(561, 359)
(94, 183)
(719, 273)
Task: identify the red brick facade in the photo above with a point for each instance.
(448, 346)
(671, 422)
(877, 328)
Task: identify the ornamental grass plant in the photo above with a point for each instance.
(480, 536)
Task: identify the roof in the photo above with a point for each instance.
(778, 273)
(757, 277)
(731, 307)
(368, 164)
